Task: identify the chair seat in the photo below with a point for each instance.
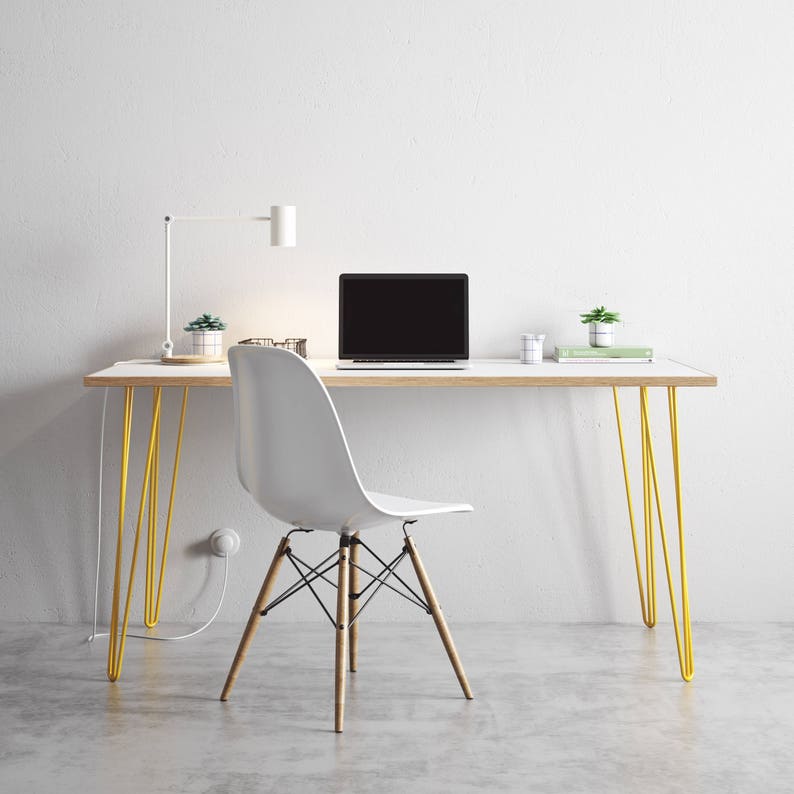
(402, 507)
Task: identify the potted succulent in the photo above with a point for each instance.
(602, 326)
(207, 335)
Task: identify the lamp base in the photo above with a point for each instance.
(191, 359)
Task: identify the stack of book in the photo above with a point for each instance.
(608, 355)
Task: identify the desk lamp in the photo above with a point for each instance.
(282, 233)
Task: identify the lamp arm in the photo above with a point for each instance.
(170, 218)
(168, 345)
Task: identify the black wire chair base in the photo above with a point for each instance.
(310, 574)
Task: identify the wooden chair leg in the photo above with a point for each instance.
(255, 617)
(438, 616)
(342, 613)
(354, 582)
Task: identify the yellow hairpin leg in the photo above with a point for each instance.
(651, 493)
(114, 659)
(687, 659)
(647, 588)
(118, 639)
(153, 602)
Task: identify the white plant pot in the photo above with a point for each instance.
(602, 334)
(207, 343)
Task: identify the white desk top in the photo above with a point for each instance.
(483, 372)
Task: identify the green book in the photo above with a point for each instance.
(603, 352)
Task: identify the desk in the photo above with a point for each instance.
(483, 373)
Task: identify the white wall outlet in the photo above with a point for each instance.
(224, 542)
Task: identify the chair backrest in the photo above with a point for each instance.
(292, 456)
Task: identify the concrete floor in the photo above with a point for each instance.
(558, 708)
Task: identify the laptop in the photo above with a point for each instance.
(403, 321)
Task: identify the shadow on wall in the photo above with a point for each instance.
(48, 489)
(536, 543)
(556, 450)
(44, 491)
(582, 504)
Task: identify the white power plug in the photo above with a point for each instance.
(224, 542)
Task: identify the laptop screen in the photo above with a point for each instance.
(404, 317)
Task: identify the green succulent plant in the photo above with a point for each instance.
(206, 322)
(600, 315)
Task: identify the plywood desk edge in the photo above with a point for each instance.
(144, 380)
(518, 382)
(423, 381)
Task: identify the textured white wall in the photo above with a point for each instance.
(635, 153)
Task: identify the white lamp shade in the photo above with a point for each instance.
(283, 226)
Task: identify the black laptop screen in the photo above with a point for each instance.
(404, 316)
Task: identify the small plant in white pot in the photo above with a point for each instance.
(602, 326)
(207, 335)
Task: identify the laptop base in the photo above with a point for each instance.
(403, 365)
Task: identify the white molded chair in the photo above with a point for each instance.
(292, 457)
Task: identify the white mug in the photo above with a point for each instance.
(532, 348)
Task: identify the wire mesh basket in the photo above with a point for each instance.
(294, 344)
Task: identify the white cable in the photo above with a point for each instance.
(94, 634)
(99, 512)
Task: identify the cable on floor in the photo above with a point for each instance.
(181, 636)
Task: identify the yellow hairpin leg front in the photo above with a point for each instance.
(651, 493)
(118, 638)
(114, 651)
(152, 599)
(687, 658)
